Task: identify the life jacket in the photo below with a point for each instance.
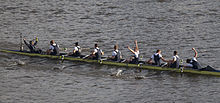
(157, 59)
(135, 60)
(98, 54)
(196, 64)
(56, 50)
(118, 56)
(176, 63)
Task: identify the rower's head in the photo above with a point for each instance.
(116, 47)
(96, 45)
(76, 44)
(158, 51)
(52, 42)
(188, 60)
(175, 53)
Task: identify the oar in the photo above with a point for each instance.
(81, 48)
(85, 57)
(21, 43)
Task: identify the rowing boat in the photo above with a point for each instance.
(105, 62)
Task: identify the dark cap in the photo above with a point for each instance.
(76, 43)
(96, 45)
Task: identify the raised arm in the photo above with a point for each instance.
(28, 45)
(196, 53)
(36, 40)
(35, 43)
(25, 41)
(131, 50)
(136, 44)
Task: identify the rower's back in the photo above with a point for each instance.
(117, 56)
(176, 60)
(157, 59)
(56, 50)
(196, 64)
(98, 54)
(78, 52)
(176, 64)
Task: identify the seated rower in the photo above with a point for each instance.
(156, 57)
(135, 58)
(54, 48)
(97, 53)
(32, 46)
(174, 63)
(76, 50)
(193, 63)
(116, 54)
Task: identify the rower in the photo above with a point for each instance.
(135, 58)
(116, 54)
(97, 53)
(76, 50)
(32, 46)
(193, 63)
(54, 48)
(156, 57)
(174, 63)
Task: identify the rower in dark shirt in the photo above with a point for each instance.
(97, 53)
(54, 48)
(116, 55)
(156, 58)
(32, 46)
(194, 64)
(175, 62)
(76, 51)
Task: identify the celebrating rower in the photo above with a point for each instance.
(193, 63)
(32, 46)
(116, 54)
(135, 58)
(54, 48)
(97, 53)
(156, 57)
(76, 51)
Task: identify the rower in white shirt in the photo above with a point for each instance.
(135, 58)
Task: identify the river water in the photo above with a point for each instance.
(157, 24)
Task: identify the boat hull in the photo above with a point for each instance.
(149, 67)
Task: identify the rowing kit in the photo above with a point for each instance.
(106, 62)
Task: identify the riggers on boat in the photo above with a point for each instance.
(103, 62)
